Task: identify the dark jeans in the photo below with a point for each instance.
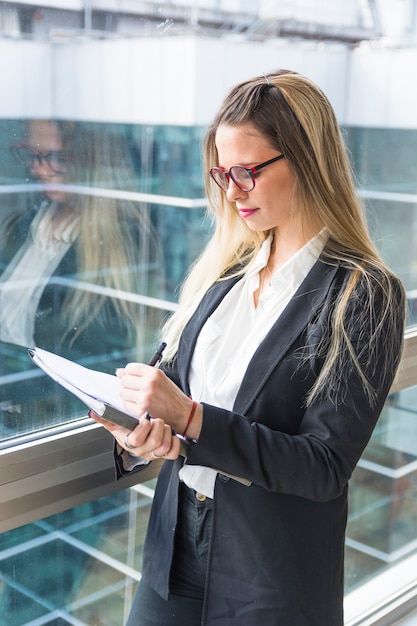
(188, 573)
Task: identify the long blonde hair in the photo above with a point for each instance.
(116, 244)
(297, 119)
(116, 240)
(116, 252)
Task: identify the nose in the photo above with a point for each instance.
(234, 192)
(39, 167)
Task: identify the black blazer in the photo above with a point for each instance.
(276, 555)
(106, 340)
(107, 333)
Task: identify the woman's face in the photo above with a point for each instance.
(45, 138)
(270, 204)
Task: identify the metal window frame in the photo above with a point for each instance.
(63, 467)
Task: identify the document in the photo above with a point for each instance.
(98, 390)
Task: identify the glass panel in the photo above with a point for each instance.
(76, 268)
(382, 527)
(394, 227)
(384, 158)
(384, 161)
(78, 567)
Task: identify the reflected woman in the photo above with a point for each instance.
(72, 266)
(59, 255)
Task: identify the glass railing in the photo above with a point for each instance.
(381, 538)
(77, 567)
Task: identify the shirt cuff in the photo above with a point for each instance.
(129, 460)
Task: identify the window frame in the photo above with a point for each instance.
(68, 465)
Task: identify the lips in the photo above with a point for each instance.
(245, 213)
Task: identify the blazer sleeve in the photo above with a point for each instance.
(282, 446)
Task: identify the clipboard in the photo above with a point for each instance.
(100, 392)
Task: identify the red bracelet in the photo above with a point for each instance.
(190, 417)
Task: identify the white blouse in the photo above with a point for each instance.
(26, 276)
(232, 334)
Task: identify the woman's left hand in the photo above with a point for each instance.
(151, 439)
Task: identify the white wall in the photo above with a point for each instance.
(25, 77)
(382, 89)
(178, 80)
(142, 80)
(182, 80)
(223, 63)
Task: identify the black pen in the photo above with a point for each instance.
(186, 442)
(153, 362)
(158, 355)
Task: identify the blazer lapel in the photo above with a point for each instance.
(301, 308)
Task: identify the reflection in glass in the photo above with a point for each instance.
(383, 494)
(70, 263)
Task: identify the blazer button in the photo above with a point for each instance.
(200, 496)
(223, 478)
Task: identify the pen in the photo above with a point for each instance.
(153, 362)
(158, 355)
(186, 442)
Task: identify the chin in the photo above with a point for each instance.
(56, 196)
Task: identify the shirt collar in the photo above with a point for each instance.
(296, 268)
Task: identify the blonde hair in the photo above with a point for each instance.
(297, 119)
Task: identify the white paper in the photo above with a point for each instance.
(96, 389)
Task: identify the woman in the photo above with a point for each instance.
(287, 339)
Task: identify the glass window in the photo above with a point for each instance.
(384, 162)
(77, 567)
(102, 211)
(383, 503)
(86, 262)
